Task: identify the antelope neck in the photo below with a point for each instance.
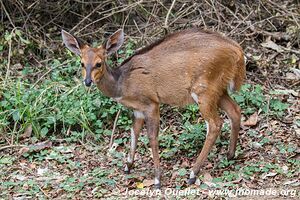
(109, 82)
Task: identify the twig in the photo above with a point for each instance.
(11, 146)
(7, 14)
(259, 22)
(8, 58)
(216, 13)
(241, 22)
(43, 191)
(113, 13)
(86, 17)
(137, 27)
(168, 14)
(184, 13)
(113, 130)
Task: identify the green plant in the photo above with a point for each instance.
(251, 98)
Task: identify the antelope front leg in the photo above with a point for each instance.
(152, 123)
(135, 132)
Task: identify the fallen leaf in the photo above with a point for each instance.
(252, 120)
(147, 183)
(65, 149)
(298, 132)
(185, 164)
(27, 132)
(209, 165)
(272, 45)
(32, 165)
(23, 150)
(296, 72)
(198, 182)
(42, 171)
(271, 174)
(19, 177)
(285, 92)
(36, 147)
(256, 145)
(285, 169)
(139, 185)
(291, 76)
(174, 175)
(291, 182)
(207, 177)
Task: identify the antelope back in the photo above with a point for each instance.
(187, 62)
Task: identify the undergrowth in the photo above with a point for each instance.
(58, 104)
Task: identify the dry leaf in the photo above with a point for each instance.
(209, 165)
(271, 174)
(272, 45)
(36, 147)
(139, 185)
(42, 171)
(291, 76)
(256, 145)
(291, 182)
(184, 164)
(32, 165)
(27, 132)
(23, 150)
(148, 183)
(198, 182)
(207, 177)
(285, 169)
(252, 121)
(296, 72)
(174, 175)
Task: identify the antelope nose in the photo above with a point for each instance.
(88, 82)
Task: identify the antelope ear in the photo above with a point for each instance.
(71, 42)
(114, 42)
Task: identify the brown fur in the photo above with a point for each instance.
(174, 67)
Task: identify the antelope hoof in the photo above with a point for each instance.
(127, 169)
(157, 186)
(191, 181)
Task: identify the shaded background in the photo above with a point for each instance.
(251, 23)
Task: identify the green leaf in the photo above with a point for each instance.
(7, 36)
(44, 131)
(182, 172)
(6, 160)
(24, 40)
(217, 180)
(18, 32)
(16, 115)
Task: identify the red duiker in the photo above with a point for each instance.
(182, 68)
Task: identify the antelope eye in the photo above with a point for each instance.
(98, 65)
(82, 64)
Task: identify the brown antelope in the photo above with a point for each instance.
(182, 68)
